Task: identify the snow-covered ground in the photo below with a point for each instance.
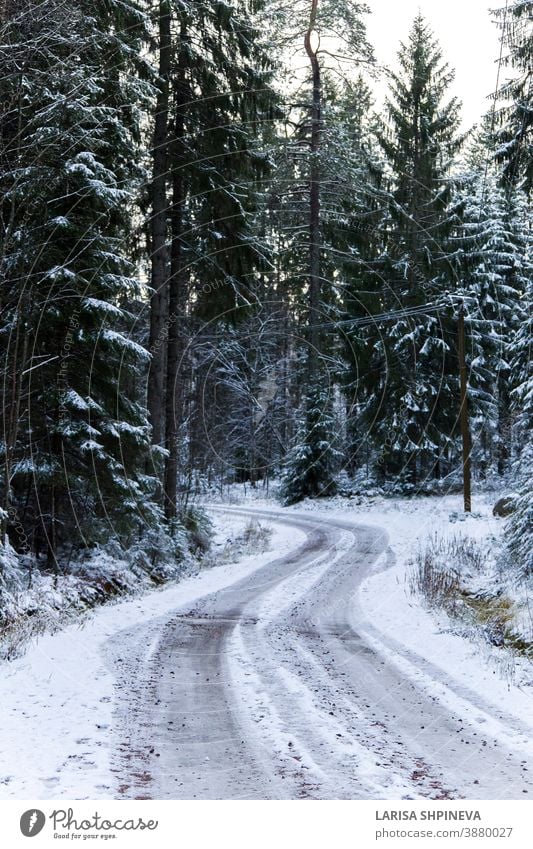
(58, 701)
(400, 625)
(499, 678)
(394, 609)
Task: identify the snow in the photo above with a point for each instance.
(502, 680)
(57, 701)
(74, 400)
(399, 621)
(59, 272)
(103, 306)
(258, 712)
(125, 343)
(91, 445)
(116, 428)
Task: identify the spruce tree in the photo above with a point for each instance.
(493, 269)
(412, 407)
(515, 97)
(514, 152)
(321, 158)
(354, 233)
(519, 531)
(215, 96)
(75, 462)
(313, 463)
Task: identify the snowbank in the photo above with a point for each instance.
(57, 700)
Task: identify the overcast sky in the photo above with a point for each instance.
(468, 38)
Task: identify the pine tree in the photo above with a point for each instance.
(514, 153)
(158, 231)
(493, 269)
(75, 473)
(214, 97)
(312, 464)
(353, 231)
(515, 136)
(519, 531)
(411, 408)
(322, 190)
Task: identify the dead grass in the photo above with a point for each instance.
(253, 539)
(440, 574)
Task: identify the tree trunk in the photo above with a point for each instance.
(314, 199)
(177, 294)
(158, 229)
(503, 424)
(22, 324)
(13, 415)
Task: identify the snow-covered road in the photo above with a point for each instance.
(278, 685)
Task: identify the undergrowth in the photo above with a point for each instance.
(253, 539)
(456, 575)
(35, 599)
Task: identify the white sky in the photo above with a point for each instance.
(464, 29)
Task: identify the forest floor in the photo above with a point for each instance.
(308, 670)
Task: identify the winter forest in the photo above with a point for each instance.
(243, 261)
(224, 261)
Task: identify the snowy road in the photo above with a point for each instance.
(277, 686)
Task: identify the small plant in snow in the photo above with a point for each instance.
(256, 537)
(457, 576)
(253, 539)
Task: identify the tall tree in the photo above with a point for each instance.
(515, 97)
(519, 532)
(215, 94)
(411, 410)
(493, 269)
(515, 152)
(158, 229)
(73, 93)
(316, 438)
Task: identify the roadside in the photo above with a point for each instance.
(64, 692)
(58, 700)
(482, 602)
(281, 687)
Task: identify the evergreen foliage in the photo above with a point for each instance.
(493, 268)
(410, 401)
(313, 463)
(515, 135)
(77, 438)
(202, 217)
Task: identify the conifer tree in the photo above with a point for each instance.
(493, 269)
(74, 458)
(519, 531)
(413, 368)
(215, 96)
(514, 153)
(515, 136)
(313, 463)
(321, 166)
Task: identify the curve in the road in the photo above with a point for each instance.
(277, 687)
